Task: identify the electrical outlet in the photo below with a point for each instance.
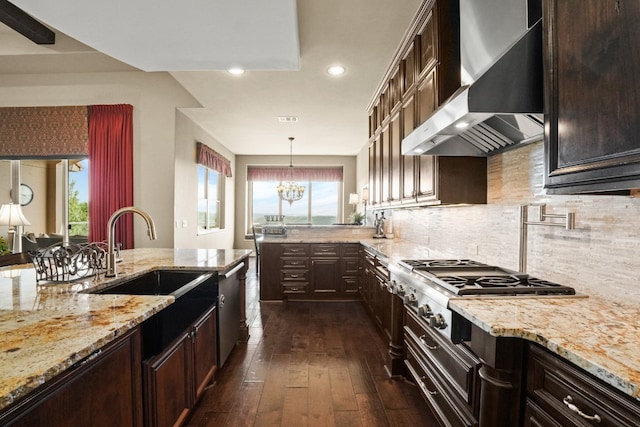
(184, 223)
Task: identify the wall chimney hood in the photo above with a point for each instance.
(501, 100)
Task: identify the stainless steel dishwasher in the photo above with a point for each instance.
(228, 312)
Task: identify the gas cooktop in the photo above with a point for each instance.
(468, 277)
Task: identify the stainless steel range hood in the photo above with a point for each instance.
(501, 100)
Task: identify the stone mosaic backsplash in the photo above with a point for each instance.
(600, 257)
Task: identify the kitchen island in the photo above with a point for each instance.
(47, 328)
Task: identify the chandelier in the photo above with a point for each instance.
(289, 190)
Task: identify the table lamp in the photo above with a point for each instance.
(12, 216)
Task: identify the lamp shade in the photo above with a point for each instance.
(353, 198)
(11, 215)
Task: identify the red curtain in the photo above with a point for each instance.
(111, 170)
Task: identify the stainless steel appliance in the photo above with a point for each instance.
(228, 313)
(428, 285)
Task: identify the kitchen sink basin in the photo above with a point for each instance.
(159, 282)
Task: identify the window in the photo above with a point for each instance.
(210, 195)
(79, 197)
(320, 204)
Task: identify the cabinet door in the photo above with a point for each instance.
(408, 162)
(102, 390)
(385, 171)
(324, 277)
(395, 160)
(270, 255)
(427, 42)
(591, 95)
(409, 69)
(375, 171)
(168, 384)
(204, 350)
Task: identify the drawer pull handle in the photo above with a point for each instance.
(424, 386)
(568, 402)
(424, 342)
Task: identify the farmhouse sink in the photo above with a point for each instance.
(159, 282)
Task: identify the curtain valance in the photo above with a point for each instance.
(265, 173)
(213, 160)
(44, 132)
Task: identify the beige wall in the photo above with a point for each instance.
(600, 257)
(154, 96)
(347, 162)
(186, 184)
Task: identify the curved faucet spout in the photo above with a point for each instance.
(111, 235)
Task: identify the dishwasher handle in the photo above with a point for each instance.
(233, 271)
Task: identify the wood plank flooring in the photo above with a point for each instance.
(308, 364)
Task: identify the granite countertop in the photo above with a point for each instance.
(45, 328)
(595, 334)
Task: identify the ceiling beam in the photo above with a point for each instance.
(23, 23)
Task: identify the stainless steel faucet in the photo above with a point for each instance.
(111, 235)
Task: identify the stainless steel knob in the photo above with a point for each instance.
(410, 299)
(425, 311)
(437, 321)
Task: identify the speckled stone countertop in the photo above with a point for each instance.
(600, 336)
(594, 334)
(45, 328)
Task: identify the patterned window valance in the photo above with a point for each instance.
(44, 132)
(265, 173)
(213, 160)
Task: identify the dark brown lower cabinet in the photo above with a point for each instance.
(446, 373)
(168, 384)
(175, 378)
(559, 394)
(102, 390)
(309, 271)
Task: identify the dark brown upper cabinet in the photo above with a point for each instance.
(592, 93)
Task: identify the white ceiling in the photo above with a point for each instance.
(285, 45)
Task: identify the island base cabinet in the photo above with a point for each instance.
(167, 383)
(102, 390)
(175, 378)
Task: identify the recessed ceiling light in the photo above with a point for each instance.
(236, 71)
(336, 70)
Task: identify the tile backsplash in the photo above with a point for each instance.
(601, 256)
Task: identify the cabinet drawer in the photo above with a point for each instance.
(324, 250)
(561, 390)
(294, 263)
(350, 250)
(294, 275)
(455, 363)
(294, 288)
(295, 250)
(350, 266)
(448, 410)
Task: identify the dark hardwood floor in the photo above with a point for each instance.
(308, 364)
